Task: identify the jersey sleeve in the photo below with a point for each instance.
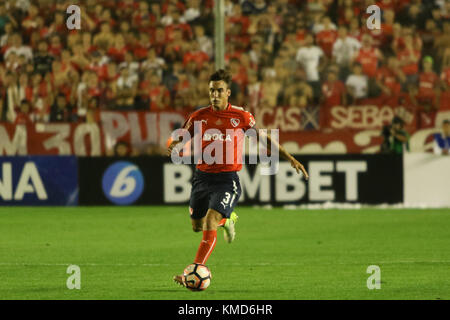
(249, 120)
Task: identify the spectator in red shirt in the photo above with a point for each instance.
(99, 68)
(389, 79)
(117, 52)
(178, 22)
(400, 33)
(409, 62)
(141, 14)
(386, 5)
(333, 91)
(326, 38)
(368, 56)
(94, 89)
(176, 3)
(239, 74)
(42, 96)
(25, 91)
(95, 14)
(55, 46)
(158, 93)
(140, 50)
(301, 31)
(387, 28)
(238, 18)
(235, 35)
(176, 49)
(253, 90)
(126, 7)
(423, 96)
(196, 55)
(23, 115)
(428, 84)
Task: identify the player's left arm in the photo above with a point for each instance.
(284, 154)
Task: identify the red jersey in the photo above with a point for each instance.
(325, 39)
(157, 95)
(332, 93)
(369, 61)
(388, 78)
(23, 118)
(428, 81)
(199, 57)
(226, 127)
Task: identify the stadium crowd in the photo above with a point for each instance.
(157, 55)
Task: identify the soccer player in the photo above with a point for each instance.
(215, 187)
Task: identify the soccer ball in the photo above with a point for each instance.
(197, 277)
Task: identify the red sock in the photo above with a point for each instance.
(222, 222)
(206, 246)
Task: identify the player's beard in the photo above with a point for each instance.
(219, 105)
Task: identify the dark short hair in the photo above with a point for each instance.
(221, 75)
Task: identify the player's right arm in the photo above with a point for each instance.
(189, 126)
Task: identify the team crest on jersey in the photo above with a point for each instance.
(234, 122)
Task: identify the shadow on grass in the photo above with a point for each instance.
(162, 290)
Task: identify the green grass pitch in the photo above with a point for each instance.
(133, 252)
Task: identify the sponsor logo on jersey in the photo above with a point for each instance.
(216, 136)
(123, 183)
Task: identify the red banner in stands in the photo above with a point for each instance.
(50, 139)
(146, 129)
(366, 117)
